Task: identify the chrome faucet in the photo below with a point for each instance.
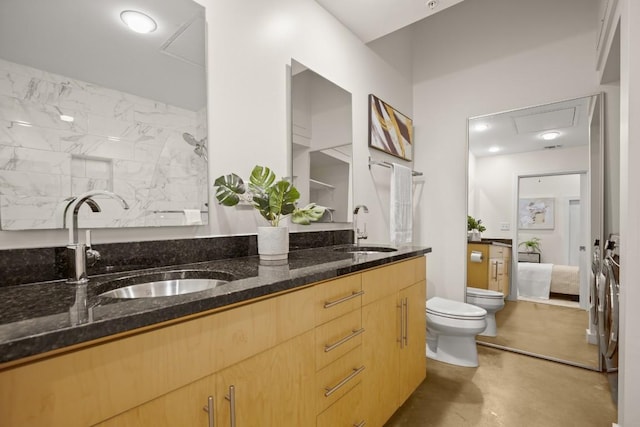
(360, 235)
(76, 251)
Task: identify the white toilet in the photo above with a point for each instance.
(452, 327)
(492, 301)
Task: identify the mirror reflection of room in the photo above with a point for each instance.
(529, 185)
(321, 142)
(74, 122)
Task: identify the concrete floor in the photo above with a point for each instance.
(508, 389)
(550, 330)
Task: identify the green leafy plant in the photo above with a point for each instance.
(531, 245)
(475, 224)
(274, 199)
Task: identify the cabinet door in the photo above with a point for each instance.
(495, 273)
(273, 388)
(413, 360)
(184, 406)
(478, 272)
(380, 341)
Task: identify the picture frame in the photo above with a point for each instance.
(390, 130)
(536, 213)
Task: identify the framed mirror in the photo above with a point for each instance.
(321, 137)
(88, 104)
(535, 183)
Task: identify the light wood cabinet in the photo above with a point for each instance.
(499, 262)
(341, 352)
(393, 314)
(493, 272)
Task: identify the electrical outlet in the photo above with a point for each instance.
(504, 226)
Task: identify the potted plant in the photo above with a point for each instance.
(275, 200)
(474, 228)
(531, 245)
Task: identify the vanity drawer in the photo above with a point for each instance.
(346, 412)
(337, 297)
(338, 337)
(335, 380)
(384, 281)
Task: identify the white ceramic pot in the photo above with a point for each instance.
(273, 243)
(475, 236)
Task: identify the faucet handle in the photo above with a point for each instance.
(93, 256)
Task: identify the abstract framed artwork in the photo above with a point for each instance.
(536, 213)
(389, 130)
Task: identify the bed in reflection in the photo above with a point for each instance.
(541, 280)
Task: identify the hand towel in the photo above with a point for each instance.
(192, 217)
(401, 206)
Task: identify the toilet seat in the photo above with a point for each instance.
(484, 293)
(454, 309)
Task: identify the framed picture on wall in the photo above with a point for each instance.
(536, 213)
(390, 130)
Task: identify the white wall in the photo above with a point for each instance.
(629, 374)
(250, 44)
(494, 180)
(476, 58)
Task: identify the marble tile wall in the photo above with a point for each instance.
(117, 142)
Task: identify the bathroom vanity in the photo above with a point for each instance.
(333, 336)
(492, 272)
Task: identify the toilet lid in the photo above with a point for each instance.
(455, 309)
(484, 293)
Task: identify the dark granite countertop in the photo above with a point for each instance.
(497, 242)
(40, 317)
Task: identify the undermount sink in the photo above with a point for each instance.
(366, 249)
(165, 284)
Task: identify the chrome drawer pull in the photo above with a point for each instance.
(331, 390)
(231, 397)
(356, 332)
(209, 409)
(406, 322)
(329, 304)
(360, 424)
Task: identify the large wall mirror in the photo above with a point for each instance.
(535, 182)
(88, 104)
(322, 136)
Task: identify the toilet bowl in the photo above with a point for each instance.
(452, 327)
(492, 301)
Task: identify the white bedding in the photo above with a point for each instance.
(534, 280)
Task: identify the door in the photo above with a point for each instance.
(273, 388)
(575, 232)
(380, 354)
(412, 353)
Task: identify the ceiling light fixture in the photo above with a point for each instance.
(432, 4)
(494, 149)
(138, 21)
(22, 123)
(480, 127)
(66, 118)
(548, 136)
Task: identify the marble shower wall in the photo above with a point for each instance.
(117, 141)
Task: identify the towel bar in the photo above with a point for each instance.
(389, 165)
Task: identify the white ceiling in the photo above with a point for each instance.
(519, 131)
(86, 40)
(372, 19)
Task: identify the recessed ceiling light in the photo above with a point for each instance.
(548, 136)
(481, 127)
(494, 149)
(66, 118)
(113, 138)
(138, 21)
(432, 4)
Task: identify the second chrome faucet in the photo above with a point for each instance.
(360, 235)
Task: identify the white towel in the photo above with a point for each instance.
(192, 217)
(534, 280)
(401, 206)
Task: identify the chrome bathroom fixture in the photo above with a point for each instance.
(77, 252)
(360, 235)
(201, 146)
